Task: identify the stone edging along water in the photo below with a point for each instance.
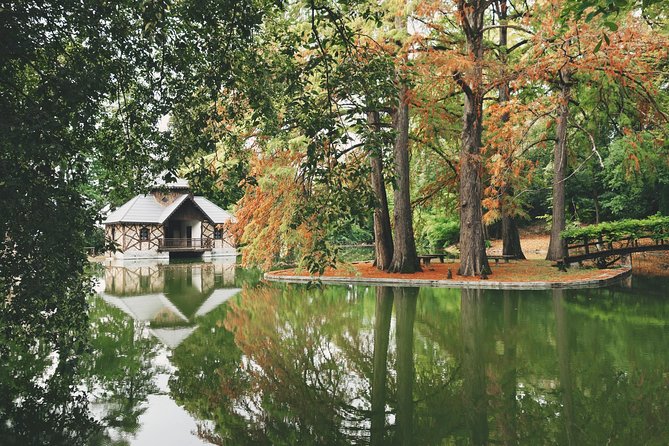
(598, 281)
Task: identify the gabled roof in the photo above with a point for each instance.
(172, 337)
(140, 209)
(169, 210)
(215, 213)
(146, 209)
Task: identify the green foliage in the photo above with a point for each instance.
(636, 176)
(439, 231)
(655, 227)
(355, 233)
(221, 182)
(83, 87)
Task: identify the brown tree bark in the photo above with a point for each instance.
(510, 236)
(557, 247)
(382, 317)
(473, 259)
(405, 259)
(383, 236)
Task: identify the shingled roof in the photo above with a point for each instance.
(146, 209)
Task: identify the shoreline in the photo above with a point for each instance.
(590, 278)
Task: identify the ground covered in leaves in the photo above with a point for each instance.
(514, 271)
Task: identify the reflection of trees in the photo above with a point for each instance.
(473, 365)
(289, 383)
(405, 302)
(382, 316)
(565, 375)
(208, 374)
(507, 419)
(612, 364)
(287, 365)
(40, 370)
(120, 370)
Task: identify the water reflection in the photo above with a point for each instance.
(403, 366)
(147, 310)
(171, 355)
(169, 298)
(40, 398)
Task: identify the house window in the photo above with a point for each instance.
(218, 234)
(144, 234)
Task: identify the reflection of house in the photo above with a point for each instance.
(169, 297)
(169, 220)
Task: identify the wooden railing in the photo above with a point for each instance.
(605, 252)
(185, 244)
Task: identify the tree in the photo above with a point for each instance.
(458, 46)
(473, 259)
(383, 236)
(557, 247)
(571, 57)
(510, 236)
(337, 99)
(405, 259)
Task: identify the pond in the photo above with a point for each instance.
(206, 353)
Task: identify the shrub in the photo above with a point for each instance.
(656, 227)
(441, 231)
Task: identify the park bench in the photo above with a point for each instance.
(427, 258)
(505, 257)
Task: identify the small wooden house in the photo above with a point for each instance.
(169, 220)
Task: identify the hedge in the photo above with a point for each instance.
(655, 227)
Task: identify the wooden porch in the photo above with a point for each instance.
(185, 244)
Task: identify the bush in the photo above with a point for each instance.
(656, 227)
(440, 232)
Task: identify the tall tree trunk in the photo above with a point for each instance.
(473, 365)
(405, 312)
(473, 259)
(383, 237)
(510, 236)
(382, 317)
(405, 259)
(557, 248)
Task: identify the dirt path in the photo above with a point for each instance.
(534, 246)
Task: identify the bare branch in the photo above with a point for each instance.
(506, 25)
(592, 141)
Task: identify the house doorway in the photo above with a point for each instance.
(189, 236)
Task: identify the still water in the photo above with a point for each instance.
(194, 354)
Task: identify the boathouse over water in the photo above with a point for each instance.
(169, 220)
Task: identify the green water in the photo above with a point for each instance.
(207, 353)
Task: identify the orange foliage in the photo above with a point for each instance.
(515, 271)
(266, 224)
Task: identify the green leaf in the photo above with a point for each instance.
(598, 46)
(611, 25)
(591, 15)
